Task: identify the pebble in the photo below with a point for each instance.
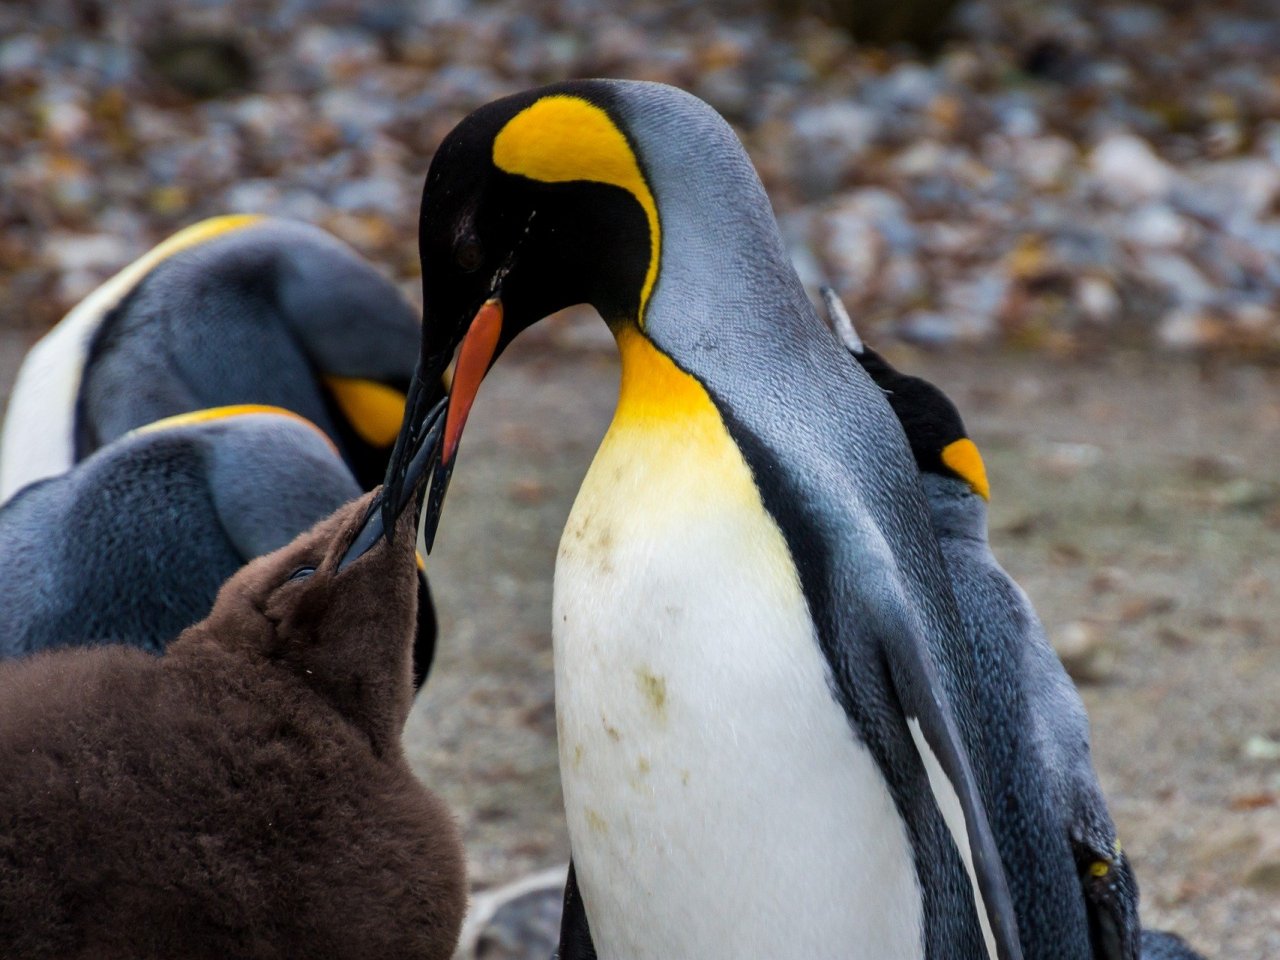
(519, 921)
(1081, 648)
(1129, 170)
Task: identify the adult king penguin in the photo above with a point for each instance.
(131, 545)
(233, 310)
(763, 688)
(1032, 707)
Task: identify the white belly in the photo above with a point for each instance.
(719, 803)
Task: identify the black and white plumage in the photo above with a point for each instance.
(232, 310)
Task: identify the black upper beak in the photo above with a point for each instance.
(428, 439)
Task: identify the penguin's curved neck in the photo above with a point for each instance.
(956, 511)
(723, 267)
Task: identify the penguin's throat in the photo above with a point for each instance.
(667, 452)
(654, 392)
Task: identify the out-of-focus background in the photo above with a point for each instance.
(1065, 213)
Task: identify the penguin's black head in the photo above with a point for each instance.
(931, 422)
(533, 203)
(929, 419)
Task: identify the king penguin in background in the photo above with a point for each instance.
(233, 310)
(1011, 642)
(1032, 697)
(132, 544)
(769, 716)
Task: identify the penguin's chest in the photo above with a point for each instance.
(718, 801)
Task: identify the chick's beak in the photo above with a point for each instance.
(430, 434)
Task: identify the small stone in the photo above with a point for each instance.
(1079, 645)
(1129, 171)
(1188, 329)
(1258, 747)
(519, 921)
(1156, 225)
(1097, 299)
(1067, 459)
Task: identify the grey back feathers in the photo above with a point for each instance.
(260, 314)
(132, 544)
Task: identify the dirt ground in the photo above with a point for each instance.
(1136, 499)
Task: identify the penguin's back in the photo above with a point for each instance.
(201, 806)
(132, 545)
(1025, 774)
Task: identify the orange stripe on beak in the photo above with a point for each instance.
(474, 357)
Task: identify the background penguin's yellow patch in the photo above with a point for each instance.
(210, 414)
(559, 139)
(194, 234)
(373, 409)
(964, 460)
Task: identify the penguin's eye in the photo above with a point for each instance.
(301, 574)
(469, 256)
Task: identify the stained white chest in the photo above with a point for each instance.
(719, 803)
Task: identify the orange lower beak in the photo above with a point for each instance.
(474, 357)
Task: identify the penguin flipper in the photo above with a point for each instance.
(937, 739)
(575, 933)
(1110, 897)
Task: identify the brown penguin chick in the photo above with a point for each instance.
(245, 795)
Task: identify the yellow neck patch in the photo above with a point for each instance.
(211, 414)
(963, 459)
(559, 139)
(373, 409)
(653, 389)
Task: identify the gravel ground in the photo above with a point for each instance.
(1065, 173)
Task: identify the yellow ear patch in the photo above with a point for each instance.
(210, 414)
(559, 139)
(963, 459)
(373, 409)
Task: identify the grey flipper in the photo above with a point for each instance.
(842, 489)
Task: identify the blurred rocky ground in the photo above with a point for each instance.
(1058, 175)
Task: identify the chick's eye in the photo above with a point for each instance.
(469, 255)
(301, 573)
